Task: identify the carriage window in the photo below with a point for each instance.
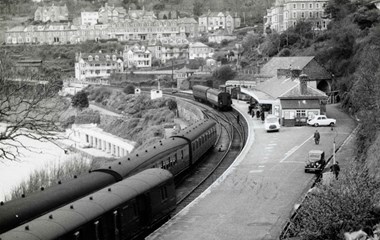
(162, 165)
(175, 158)
(169, 162)
(135, 210)
(115, 224)
(76, 236)
(181, 154)
(96, 229)
(164, 193)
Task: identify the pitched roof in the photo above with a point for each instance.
(275, 86)
(295, 93)
(185, 69)
(102, 56)
(270, 68)
(198, 44)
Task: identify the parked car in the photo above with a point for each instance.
(321, 120)
(315, 162)
(272, 123)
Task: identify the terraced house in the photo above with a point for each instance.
(128, 29)
(286, 13)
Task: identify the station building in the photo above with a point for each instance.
(290, 95)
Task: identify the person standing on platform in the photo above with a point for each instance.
(335, 169)
(317, 137)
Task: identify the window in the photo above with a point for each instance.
(135, 210)
(317, 5)
(294, 15)
(310, 14)
(289, 114)
(76, 235)
(301, 113)
(164, 193)
(294, 6)
(310, 5)
(302, 14)
(303, 6)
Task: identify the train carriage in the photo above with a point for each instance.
(121, 211)
(199, 93)
(176, 154)
(200, 137)
(217, 98)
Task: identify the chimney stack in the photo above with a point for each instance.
(303, 83)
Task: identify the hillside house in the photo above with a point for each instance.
(286, 13)
(96, 68)
(200, 50)
(51, 13)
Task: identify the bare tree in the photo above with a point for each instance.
(29, 107)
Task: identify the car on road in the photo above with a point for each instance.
(272, 123)
(315, 162)
(321, 120)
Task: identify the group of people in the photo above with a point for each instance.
(259, 113)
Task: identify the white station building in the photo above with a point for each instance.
(89, 135)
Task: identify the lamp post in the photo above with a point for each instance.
(336, 134)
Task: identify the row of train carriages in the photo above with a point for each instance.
(219, 99)
(120, 200)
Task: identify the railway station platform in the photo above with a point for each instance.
(256, 195)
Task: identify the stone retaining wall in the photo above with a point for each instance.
(189, 112)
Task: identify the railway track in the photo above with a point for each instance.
(231, 140)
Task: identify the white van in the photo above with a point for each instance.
(272, 123)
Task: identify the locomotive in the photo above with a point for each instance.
(176, 154)
(217, 98)
(123, 210)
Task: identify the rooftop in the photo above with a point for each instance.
(270, 68)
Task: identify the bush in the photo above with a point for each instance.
(285, 52)
(224, 73)
(344, 205)
(130, 89)
(224, 42)
(80, 100)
